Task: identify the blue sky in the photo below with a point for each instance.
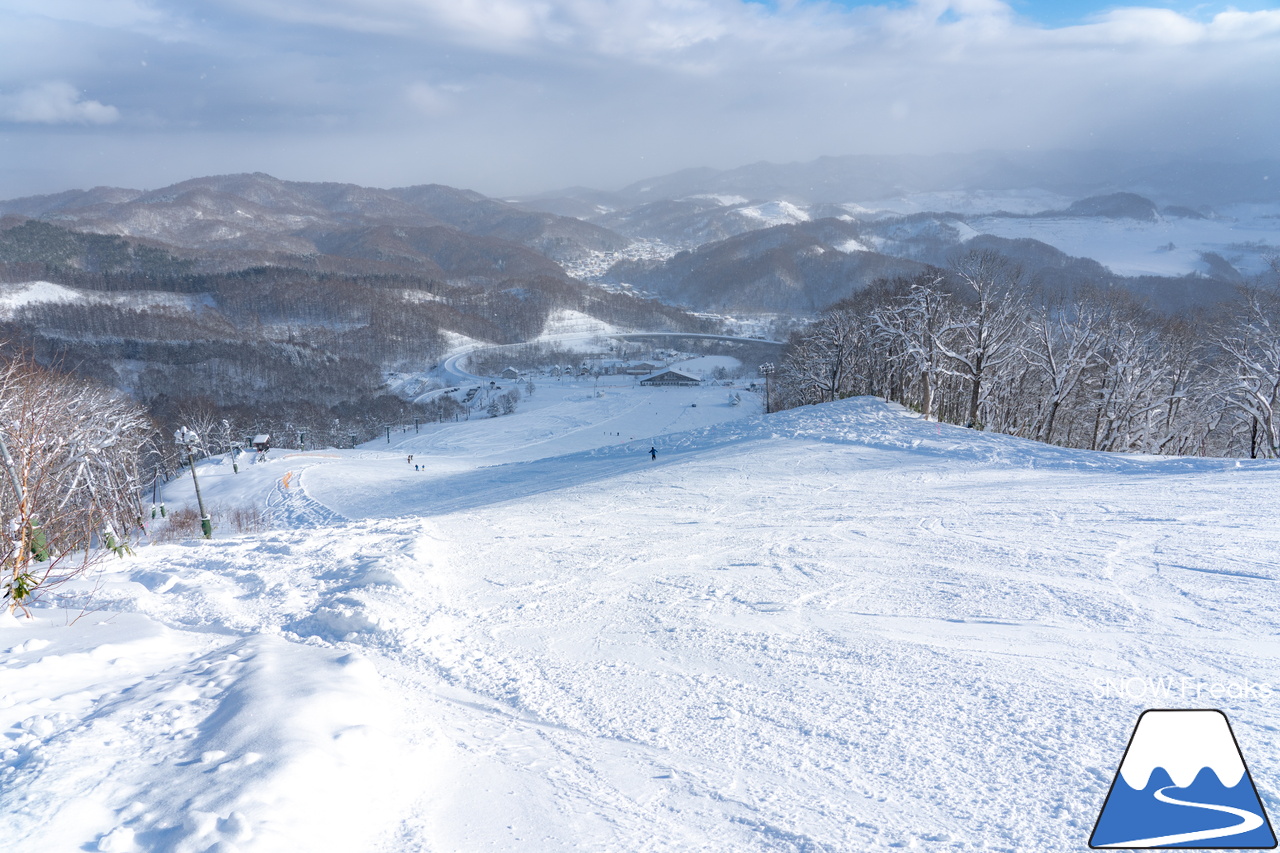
(510, 96)
(1065, 13)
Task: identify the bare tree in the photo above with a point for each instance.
(1096, 370)
(1060, 345)
(980, 339)
(911, 327)
(819, 370)
(1251, 370)
(71, 485)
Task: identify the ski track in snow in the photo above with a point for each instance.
(836, 628)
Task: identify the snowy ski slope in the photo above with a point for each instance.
(836, 628)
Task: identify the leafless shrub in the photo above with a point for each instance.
(69, 484)
(183, 524)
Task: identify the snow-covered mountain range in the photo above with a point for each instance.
(280, 273)
(1177, 233)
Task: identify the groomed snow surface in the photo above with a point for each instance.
(836, 628)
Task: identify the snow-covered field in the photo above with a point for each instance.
(14, 297)
(836, 628)
(1244, 234)
(966, 201)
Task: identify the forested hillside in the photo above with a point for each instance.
(980, 344)
(303, 343)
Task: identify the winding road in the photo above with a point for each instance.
(1248, 821)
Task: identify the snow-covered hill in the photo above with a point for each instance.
(835, 628)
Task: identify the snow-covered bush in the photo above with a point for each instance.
(70, 484)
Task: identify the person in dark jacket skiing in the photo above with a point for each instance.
(653, 452)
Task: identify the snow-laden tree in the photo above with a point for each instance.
(980, 338)
(69, 491)
(1060, 345)
(1143, 372)
(910, 327)
(821, 364)
(1251, 366)
(1089, 368)
(202, 416)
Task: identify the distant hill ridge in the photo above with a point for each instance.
(229, 216)
(1170, 180)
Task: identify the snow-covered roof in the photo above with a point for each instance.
(673, 374)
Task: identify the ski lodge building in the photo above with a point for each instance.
(670, 377)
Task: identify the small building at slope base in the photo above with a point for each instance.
(670, 377)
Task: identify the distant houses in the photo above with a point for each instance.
(669, 377)
(510, 373)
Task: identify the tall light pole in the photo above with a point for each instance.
(188, 439)
(767, 370)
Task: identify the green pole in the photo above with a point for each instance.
(206, 526)
(187, 438)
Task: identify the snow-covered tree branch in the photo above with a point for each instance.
(70, 489)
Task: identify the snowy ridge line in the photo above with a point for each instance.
(893, 427)
(871, 422)
(858, 422)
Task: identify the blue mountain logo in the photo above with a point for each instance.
(1183, 783)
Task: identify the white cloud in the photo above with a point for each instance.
(99, 13)
(427, 99)
(567, 91)
(55, 103)
(492, 22)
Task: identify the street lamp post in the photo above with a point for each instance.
(767, 369)
(188, 439)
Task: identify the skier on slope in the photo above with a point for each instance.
(653, 453)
